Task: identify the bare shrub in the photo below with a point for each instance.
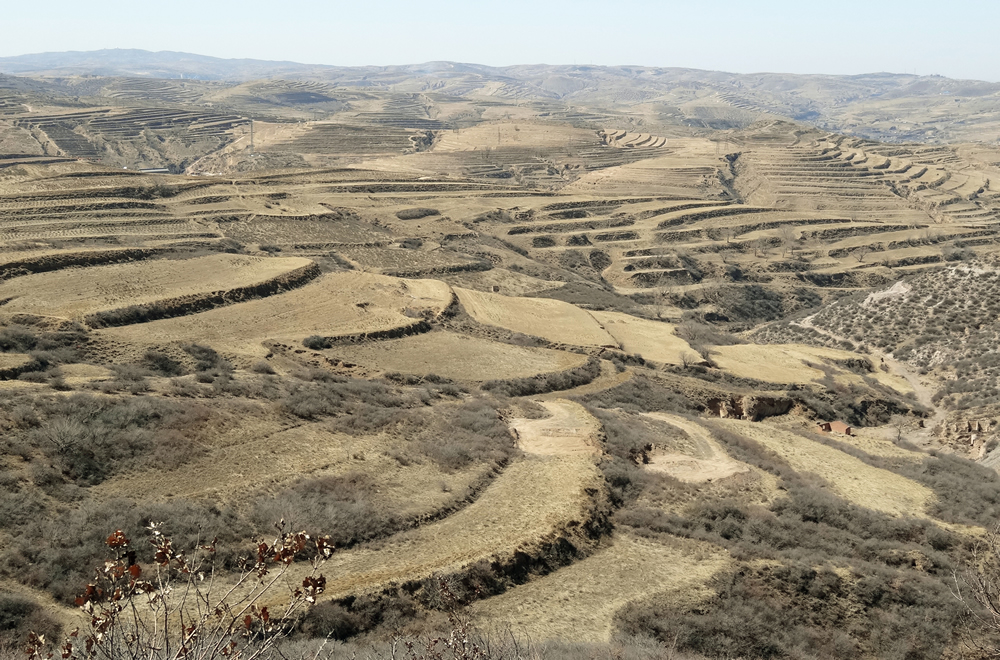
(342, 397)
(17, 339)
(34, 376)
(191, 618)
(701, 334)
(316, 342)
(263, 367)
(456, 437)
(90, 438)
(529, 409)
(25, 417)
(640, 394)
(416, 213)
(46, 347)
(500, 216)
(57, 552)
(185, 388)
(344, 506)
(541, 384)
(162, 363)
(207, 358)
(798, 610)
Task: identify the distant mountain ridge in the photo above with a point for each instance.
(172, 64)
(144, 63)
(879, 106)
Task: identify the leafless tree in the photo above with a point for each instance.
(661, 301)
(977, 586)
(900, 424)
(787, 235)
(861, 252)
(177, 606)
(760, 247)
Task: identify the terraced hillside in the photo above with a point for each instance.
(567, 362)
(157, 90)
(882, 106)
(941, 326)
(867, 178)
(141, 138)
(790, 219)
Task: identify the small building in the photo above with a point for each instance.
(834, 427)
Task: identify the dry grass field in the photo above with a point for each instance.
(532, 500)
(579, 603)
(261, 451)
(797, 363)
(652, 340)
(852, 479)
(76, 293)
(875, 441)
(475, 329)
(457, 357)
(556, 321)
(535, 501)
(13, 360)
(336, 304)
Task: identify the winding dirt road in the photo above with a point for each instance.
(921, 436)
(570, 431)
(711, 463)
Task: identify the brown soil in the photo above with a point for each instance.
(710, 464)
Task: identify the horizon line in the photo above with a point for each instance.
(477, 64)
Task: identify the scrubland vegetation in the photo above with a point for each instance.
(814, 575)
(536, 386)
(840, 580)
(59, 448)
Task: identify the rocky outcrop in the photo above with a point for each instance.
(750, 407)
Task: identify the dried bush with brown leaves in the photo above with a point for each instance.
(173, 605)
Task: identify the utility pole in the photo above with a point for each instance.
(251, 137)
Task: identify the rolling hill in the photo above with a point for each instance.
(542, 347)
(879, 106)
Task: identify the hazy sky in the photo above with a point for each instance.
(956, 38)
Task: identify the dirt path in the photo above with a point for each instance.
(546, 495)
(711, 463)
(570, 431)
(923, 436)
(610, 377)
